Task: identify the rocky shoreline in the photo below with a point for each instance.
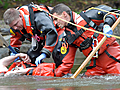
(4, 31)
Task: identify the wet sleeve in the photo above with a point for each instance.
(110, 19)
(14, 40)
(47, 29)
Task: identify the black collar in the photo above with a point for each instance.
(70, 26)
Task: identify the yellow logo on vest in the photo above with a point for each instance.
(64, 48)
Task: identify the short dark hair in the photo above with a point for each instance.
(59, 8)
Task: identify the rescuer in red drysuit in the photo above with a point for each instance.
(32, 24)
(108, 54)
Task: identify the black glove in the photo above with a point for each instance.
(34, 52)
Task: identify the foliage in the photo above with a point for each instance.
(72, 3)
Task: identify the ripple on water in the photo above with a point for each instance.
(89, 83)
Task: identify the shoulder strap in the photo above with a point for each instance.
(32, 17)
(35, 31)
(90, 22)
(46, 7)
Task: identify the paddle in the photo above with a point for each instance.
(7, 45)
(94, 51)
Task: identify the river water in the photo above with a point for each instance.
(106, 82)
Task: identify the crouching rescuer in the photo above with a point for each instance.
(107, 58)
(29, 23)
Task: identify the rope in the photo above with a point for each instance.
(103, 10)
(82, 26)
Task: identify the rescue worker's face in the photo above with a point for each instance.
(17, 24)
(59, 21)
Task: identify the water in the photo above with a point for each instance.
(107, 82)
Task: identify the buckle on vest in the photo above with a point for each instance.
(64, 47)
(85, 44)
(36, 37)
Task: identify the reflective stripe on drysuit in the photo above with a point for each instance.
(63, 57)
(43, 24)
(82, 39)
